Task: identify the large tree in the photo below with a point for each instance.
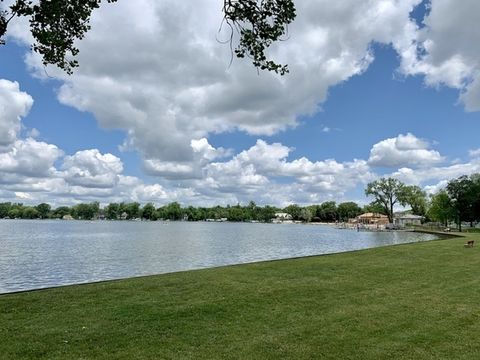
(56, 24)
(441, 208)
(464, 195)
(386, 192)
(414, 197)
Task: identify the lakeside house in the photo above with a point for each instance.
(372, 219)
(402, 220)
(282, 217)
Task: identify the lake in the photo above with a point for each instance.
(37, 254)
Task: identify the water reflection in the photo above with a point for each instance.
(36, 254)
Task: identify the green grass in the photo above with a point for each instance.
(417, 301)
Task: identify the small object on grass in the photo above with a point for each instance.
(469, 243)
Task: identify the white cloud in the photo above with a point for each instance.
(29, 158)
(14, 104)
(403, 150)
(90, 168)
(474, 153)
(168, 82)
(447, 50)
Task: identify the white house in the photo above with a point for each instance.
(407, 219)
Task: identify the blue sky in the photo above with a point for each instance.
(375, 89)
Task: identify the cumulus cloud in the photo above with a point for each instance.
(29, 158)
(90, 168)
(168, 81)
(253, 173)
(14, 104)
(447, 49)
(403, 150)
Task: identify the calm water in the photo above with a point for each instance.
(37, 254)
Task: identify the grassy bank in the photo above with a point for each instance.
(417, 301)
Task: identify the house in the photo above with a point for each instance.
(67, 217)
(403, 220)
(282, 216)
(372, 219)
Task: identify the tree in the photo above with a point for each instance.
(375, 208)
(386, 193)
(416, 198)
(43, 210)
(462, 193)
(294, 211)
(441, 208)
(149, 212)
(85, 211)
(327, 211)
(112, 211)
(56, 24)
(60, 212)
(173, 211)
(348, 210)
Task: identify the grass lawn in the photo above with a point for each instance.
(417, 301)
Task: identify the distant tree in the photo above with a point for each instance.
(43, 210)
(294, 211)
(348, 210)
(149, 212)
(4, 209)
(266, 213)
(305, 215)
(173, 211)
(441, 208)
(132, 210)
(112, 211)
(328, 211)
(85, 211)
(386, 192)
(60, 212)
(15, 213)
(29, 213)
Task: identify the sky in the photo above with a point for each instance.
(157, 112)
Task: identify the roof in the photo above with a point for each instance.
(409, 216)
(371, 215)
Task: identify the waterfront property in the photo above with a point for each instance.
(372, 219)
(403, 220)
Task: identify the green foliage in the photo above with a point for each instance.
(386, 192)
(149, 212)
(464, 193)
(348, 210)
(294, 210)
(112, 211)
(55, 26)
(43, 210)
(415, 197)
(259, 23)
(85, 211)
(441, 208)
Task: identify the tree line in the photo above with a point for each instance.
(458, 202)
(326, 212)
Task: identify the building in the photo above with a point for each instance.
(372, 219)
(403, 220)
